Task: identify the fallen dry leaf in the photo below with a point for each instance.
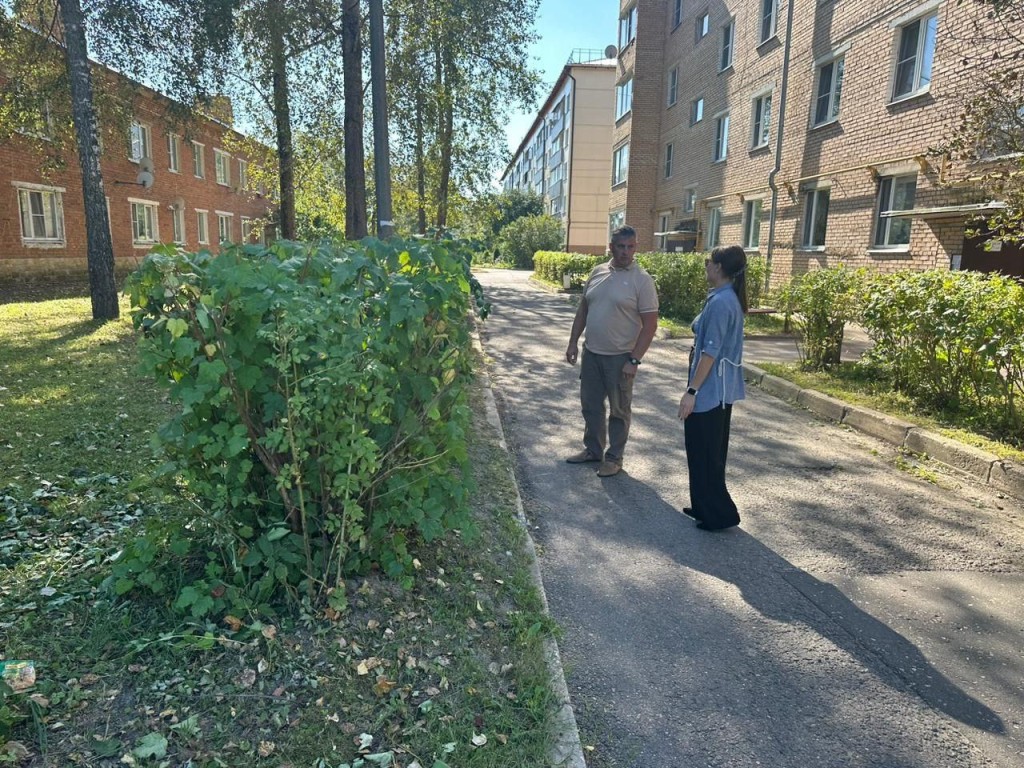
(269, 632)
(478, 740)
(383, 686)
(234, 623)
(247, 679)
(267, 748)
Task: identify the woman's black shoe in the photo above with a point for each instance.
(708, 527)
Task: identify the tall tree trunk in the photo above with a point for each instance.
(446, 121)
(282, 119)
(99, 249)
(421, 166)
(355, 155)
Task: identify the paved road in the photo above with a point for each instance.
(861, 616)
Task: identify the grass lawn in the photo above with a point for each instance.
(448, 673)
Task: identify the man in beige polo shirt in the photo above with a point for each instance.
(619, 311)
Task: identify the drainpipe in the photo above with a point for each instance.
(568, 161)
(772, 183)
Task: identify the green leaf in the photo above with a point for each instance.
(177, 327)
(152, 745)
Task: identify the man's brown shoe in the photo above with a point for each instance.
(608, 468)
(582, 458)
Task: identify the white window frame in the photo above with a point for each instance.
(222, 217)
(173, 153)
(669, 156)
(697, 110)
(627, 26)
(677, 13)
(616, 219)
(751, 239)
(246, 229)
(812, 212)
(672, 97)
(714, 236)
(50, 215)
(243, 174)
(620, 164)
(927, 19)
(761, 119)
(203, 226)
(664, 218)
(624, 98)
(690, 198)
(198, 159)
(222, 167)
(833, 97)
(140, 141)
(721, 146)
(725, 52)
(883, 238)
(151, 221)
(702, 26)
(767, 21)
(178, 224)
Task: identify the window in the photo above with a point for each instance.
(696, 110)
(673, 85)
(663, 227)
(714, 227)
(246, 230)
(243, 174)
(222, 166)
(830, 89)
(703, 26)
(42, 215)
(615, 220)
(752, 224)
(769, 10)
(761, 120)
(895, 193)
(728, 32)
(199, 160)
(620, 164)
(677, 13)
(224, 227)
(173, 153)
(689, 199)
(140, 142)
(668, 160)
(623, 98)
(144, 222)
(627, 27)
(721, 137)
(36, 121)
(815, 217)
(914, 57)
(178, 222)
(203, 226)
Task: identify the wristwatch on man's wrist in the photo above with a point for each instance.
(691, 391)
(633, 360)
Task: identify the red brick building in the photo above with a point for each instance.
(868, 89)
(168, 181)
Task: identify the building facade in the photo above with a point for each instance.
(565, 156)
(165, 182)
(801, 129)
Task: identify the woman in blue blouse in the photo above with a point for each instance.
(715, 383)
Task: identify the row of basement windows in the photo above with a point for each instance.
(141, 146)
(42, 220)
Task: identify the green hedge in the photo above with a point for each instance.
(680, 277)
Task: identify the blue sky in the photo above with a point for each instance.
(564, 25)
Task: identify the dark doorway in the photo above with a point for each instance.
(1009, 259)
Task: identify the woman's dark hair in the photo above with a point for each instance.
(733, 261)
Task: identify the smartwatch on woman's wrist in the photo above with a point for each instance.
(691, 391)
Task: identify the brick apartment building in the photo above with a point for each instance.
(166, 182)
(565, 156)
(867, 89)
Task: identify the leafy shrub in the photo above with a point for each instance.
(520, 239)
(552, 265)
(323, 408)
(821, 303)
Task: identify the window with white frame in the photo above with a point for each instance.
(144, 222)
(677, 13)
(728, 34)
(42, 214)
(689, 199)
(199, 160)
(702, 26)
(173, 153)
(224, 226)
(815, 217)
(178, 223)
(203, 226)
(669, 152)
(623, 98)
(769, 14)
(752, 224)
(696, 110)
(222, 166)
(761, 119)
(141, 146)
(673, 86)
(620, 164)
(627, 27)
(37, 121)
(243, 174)
(615, 220)
(246, 230)
(713, 238)
(914, 55)
(895, 193)
(721, 137)
(830, 90)
(663, 220)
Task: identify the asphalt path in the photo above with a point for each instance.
(864, 614)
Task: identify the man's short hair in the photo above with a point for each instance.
(621, 233)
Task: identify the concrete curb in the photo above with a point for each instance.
(1002, 475)
(567, 751)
